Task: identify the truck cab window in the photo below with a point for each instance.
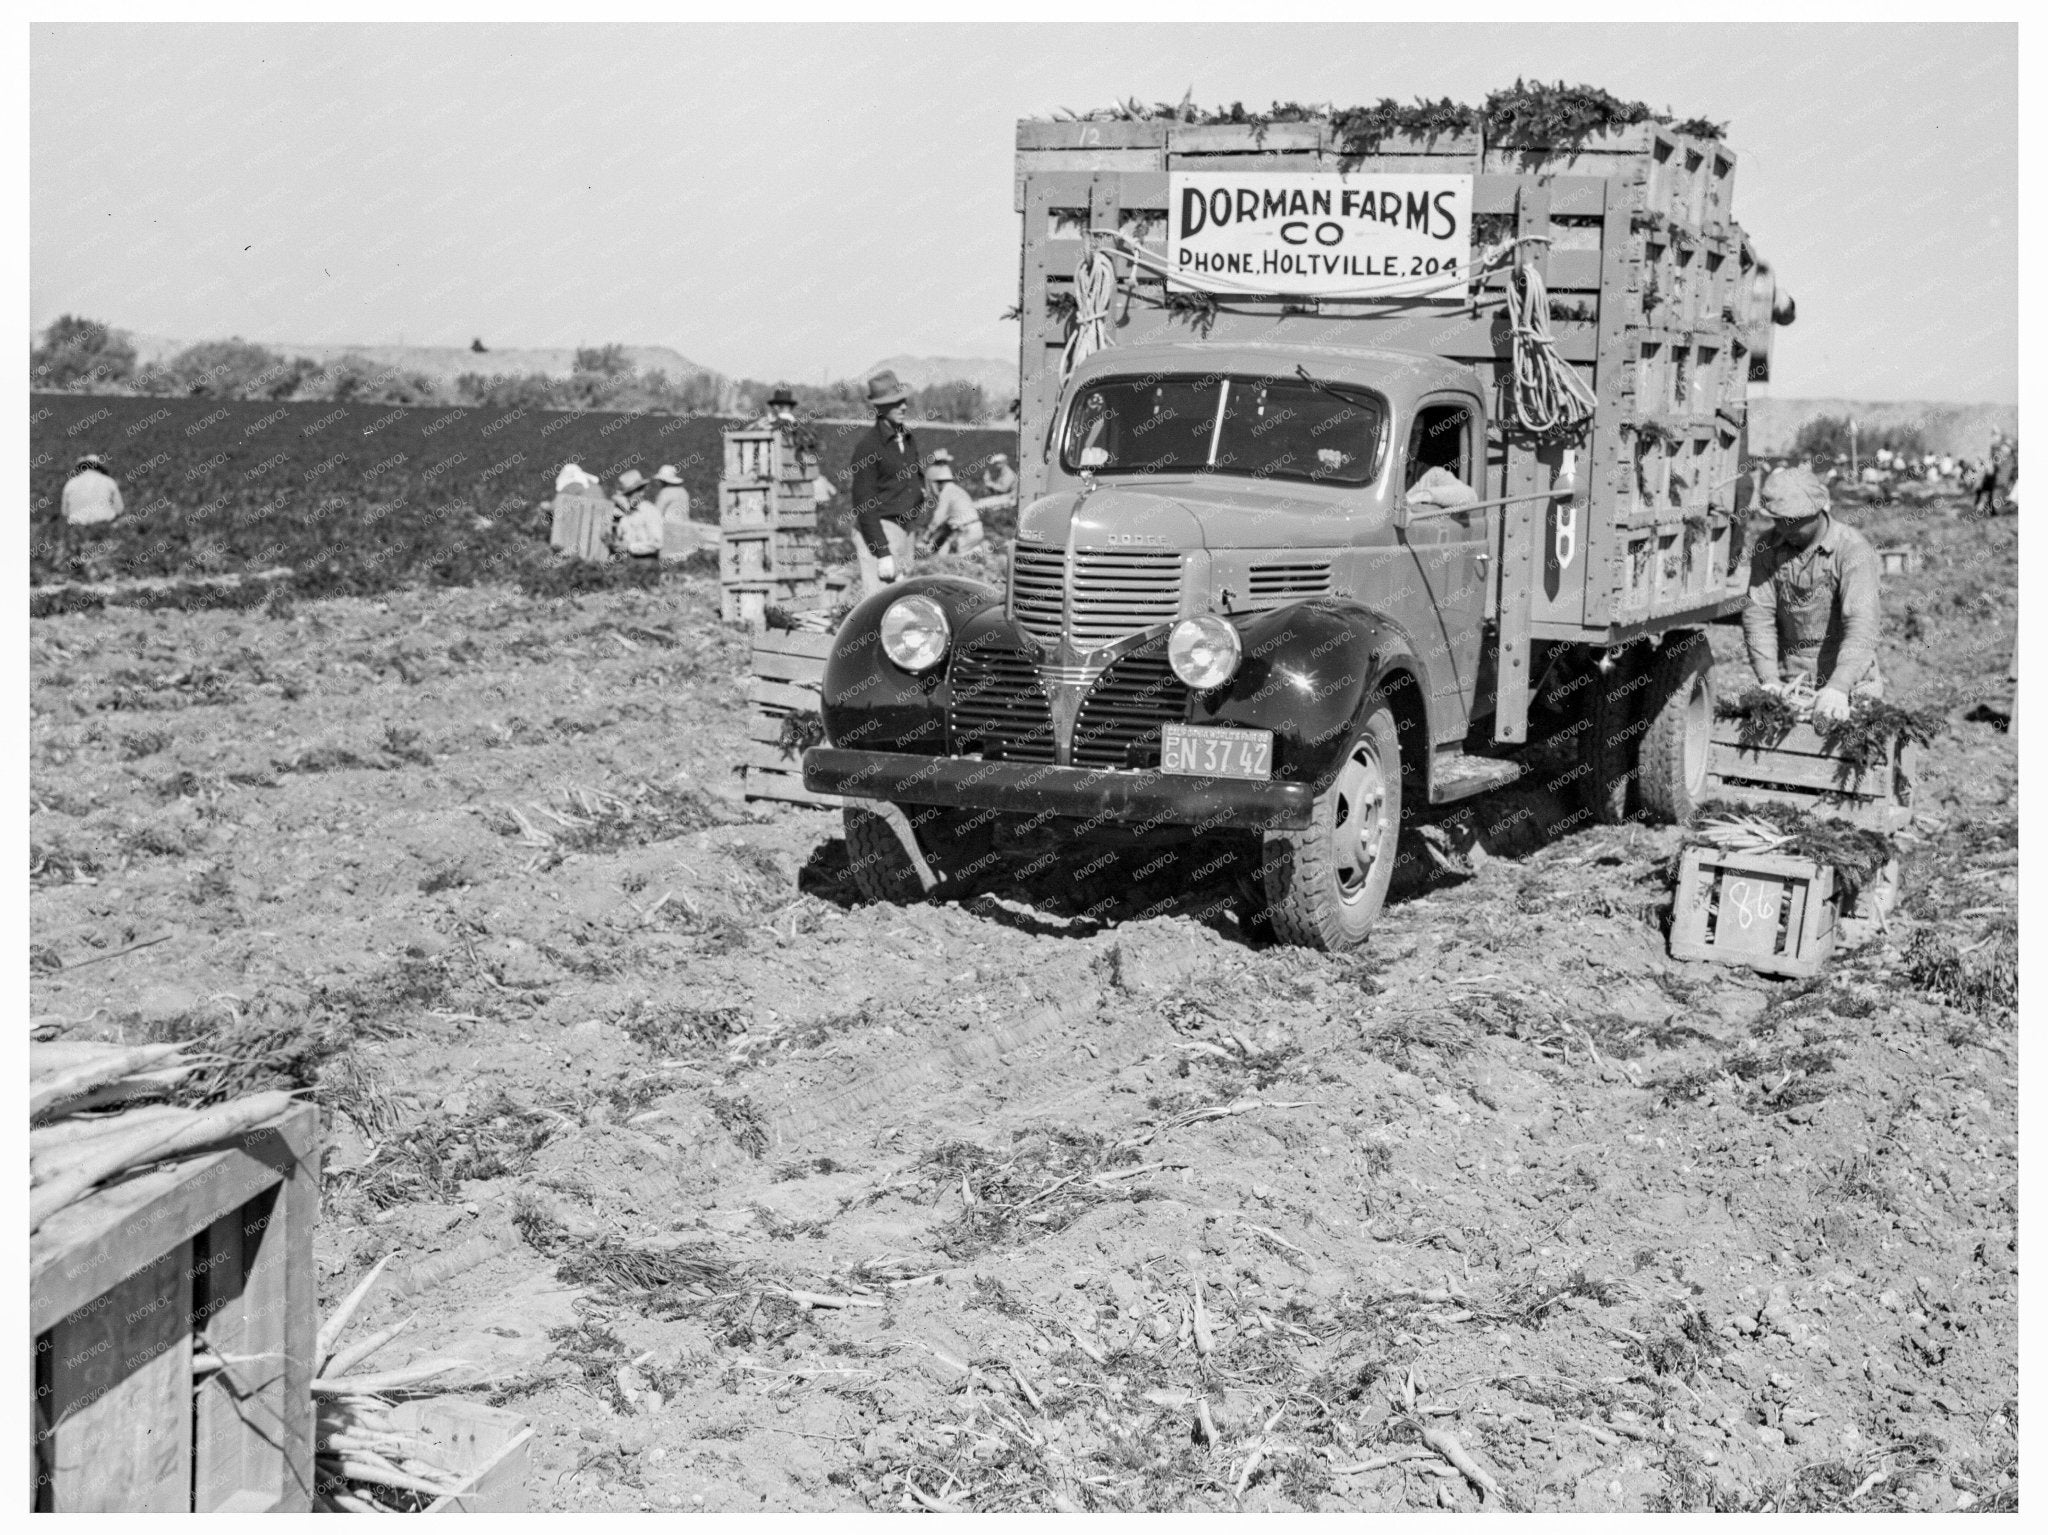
(1283, 429)
(1441, 439)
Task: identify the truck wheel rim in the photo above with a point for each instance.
(1361, 820)
(1699, 737)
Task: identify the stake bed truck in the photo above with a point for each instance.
(1347, 479)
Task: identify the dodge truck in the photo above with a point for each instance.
(1347, 480)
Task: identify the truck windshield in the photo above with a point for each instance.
(1265, 428)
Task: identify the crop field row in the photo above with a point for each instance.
(360, 498)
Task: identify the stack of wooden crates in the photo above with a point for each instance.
(767, 526)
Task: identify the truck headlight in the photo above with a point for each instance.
(915, 633)
(1203, 651)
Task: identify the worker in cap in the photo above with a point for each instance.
(888, 485)
(800, 443)
(1813, 604)
(91, 496)
(780, 414)
(956, 521)
(679, 535)
(998, 479)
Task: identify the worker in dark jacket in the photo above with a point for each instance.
(1813, 601)
(888, 486)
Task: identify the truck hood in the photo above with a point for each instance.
(1210, 513)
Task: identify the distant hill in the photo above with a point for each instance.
(1946, 427)
(448, 363)
(998, 377)
(443, 363)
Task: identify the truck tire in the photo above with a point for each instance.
(1678, 744)
(884, 870)
(1607, 743)
(1325, 884)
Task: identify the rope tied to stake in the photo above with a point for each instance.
(1095, 288)
(1546, 396)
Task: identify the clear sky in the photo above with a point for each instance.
(800, 201)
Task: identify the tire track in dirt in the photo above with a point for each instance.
(1017, 1059)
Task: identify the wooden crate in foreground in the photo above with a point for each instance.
(124, 1285)
(1771, 913)
(789, 675)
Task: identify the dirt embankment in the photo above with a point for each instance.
(753, 1196)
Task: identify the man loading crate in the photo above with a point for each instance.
(1812, 617)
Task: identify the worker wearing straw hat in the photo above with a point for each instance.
(956, 521)
(888, 485)
(1813, 600)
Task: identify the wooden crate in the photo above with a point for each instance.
(489, 1447)
(217, 1248)
(1799, 771)
(789, 677)
(1900, 560)
(747, 602)
(767, 554)
(753, 453)
(1770, 913)
(583, 526)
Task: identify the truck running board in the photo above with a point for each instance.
(1455, 776)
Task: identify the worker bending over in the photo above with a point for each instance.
(956, 521)
(1813, 610)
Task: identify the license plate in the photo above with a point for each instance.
(1216, 751)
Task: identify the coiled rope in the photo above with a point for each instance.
(1094, 293)
(1546, 396)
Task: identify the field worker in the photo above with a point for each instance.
(998, 479)
(781, 412)
(631, 492)
(90, 496)
(1813, 605)
(888, 485)
(670, 499)
(639, 531)
(956, 521)
(679, 535)
(569, 483)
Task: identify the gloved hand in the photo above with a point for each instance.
(885, 567)
(1830, 706)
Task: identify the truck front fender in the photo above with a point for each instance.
(869, 701)
(1308, 673)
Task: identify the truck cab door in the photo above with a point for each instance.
(1449, 551)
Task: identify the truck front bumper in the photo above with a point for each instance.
(1142, 795)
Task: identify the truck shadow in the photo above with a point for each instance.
(1216, 882)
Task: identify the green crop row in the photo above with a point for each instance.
(361, 498)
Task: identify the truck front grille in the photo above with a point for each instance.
(999, 707)
(1119, 594)
(1120, 718)
(1115, 594)
(1038, 589)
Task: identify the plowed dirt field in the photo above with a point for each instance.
(751, 1195)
